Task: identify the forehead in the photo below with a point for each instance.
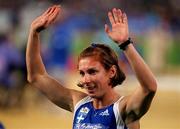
(89, 62)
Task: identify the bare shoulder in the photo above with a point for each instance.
(77, 96)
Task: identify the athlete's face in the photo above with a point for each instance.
(94, 78)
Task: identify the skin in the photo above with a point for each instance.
(94, 77)
(92, 71)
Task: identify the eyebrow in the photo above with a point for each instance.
(89, 70)
(92, 68)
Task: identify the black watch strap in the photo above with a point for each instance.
(124, 45)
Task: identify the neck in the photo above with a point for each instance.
(108, 99)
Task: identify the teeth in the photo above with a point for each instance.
(86, 85)
(89, 86)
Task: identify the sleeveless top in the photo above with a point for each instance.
(87, 117)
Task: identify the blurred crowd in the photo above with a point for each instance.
(154, 25)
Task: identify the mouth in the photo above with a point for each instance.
(90, 87)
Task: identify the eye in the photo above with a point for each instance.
(92, 71)
(81, 73)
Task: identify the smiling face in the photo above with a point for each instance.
(108, 59)
(94, 78)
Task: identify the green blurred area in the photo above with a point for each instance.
(173, 56)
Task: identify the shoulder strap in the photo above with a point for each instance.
(120, 99)
(81, 102)
(119, 120)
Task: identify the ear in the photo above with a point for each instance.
(112, 71)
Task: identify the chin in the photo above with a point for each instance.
(92, 95)
(95, 96)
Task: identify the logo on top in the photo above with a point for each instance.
(84, 110)
(82, 114)
(104, 113)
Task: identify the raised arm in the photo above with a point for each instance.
(37, 75)
(138, 103)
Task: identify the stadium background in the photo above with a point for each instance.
(154, 26)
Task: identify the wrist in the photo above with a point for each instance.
(33, 32)
(125, 44)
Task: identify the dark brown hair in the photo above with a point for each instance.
(107, 58)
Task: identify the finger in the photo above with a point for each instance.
(48, 10)
(124, 18)
(49, 15)
(111, 19)
(56, 13)
(106, 28)
(119, 13)
(115, 14)
(53, 16)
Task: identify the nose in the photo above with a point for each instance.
(85, 79)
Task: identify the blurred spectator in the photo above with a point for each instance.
(158, 41)
(156, 22)
(11, 74)
(63, 36)
(1, 126)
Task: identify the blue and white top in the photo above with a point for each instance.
(87, 117)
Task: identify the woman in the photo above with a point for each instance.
(100, 107)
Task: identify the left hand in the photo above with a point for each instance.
(46, 19)
(119, 23)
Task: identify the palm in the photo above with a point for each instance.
(119, 32)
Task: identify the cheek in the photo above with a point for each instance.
(102, 80)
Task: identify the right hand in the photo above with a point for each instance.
(119, 22)
(46, 19)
